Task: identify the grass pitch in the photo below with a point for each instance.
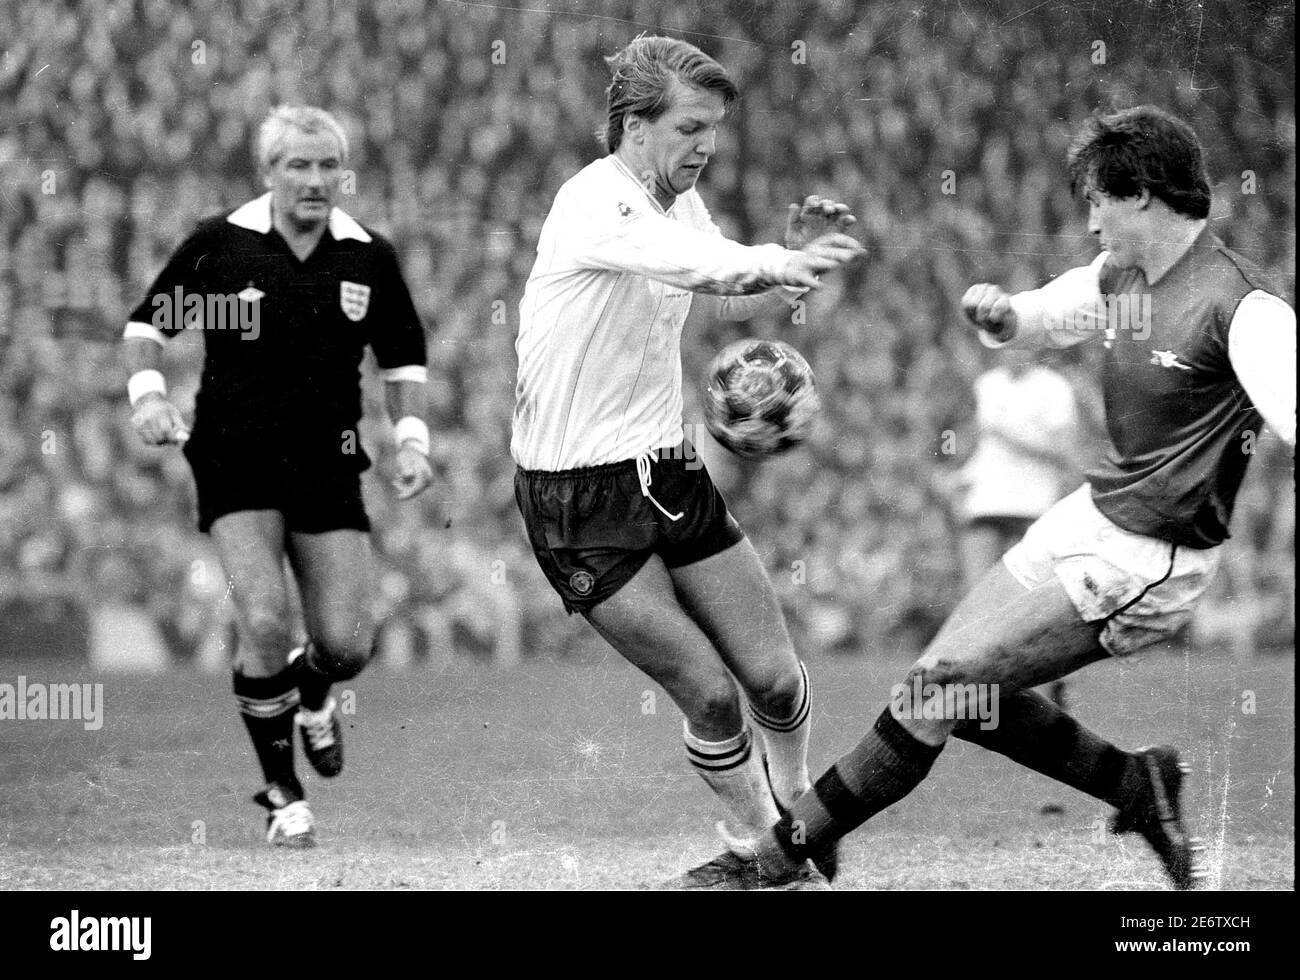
(571, 776)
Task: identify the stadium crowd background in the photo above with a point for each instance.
(123, 122)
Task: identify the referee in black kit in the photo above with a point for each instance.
(288, 290)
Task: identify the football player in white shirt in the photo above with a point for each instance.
(622, 515)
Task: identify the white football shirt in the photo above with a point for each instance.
(1029, 430)
(600, 325)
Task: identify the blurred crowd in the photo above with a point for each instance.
(943, 125)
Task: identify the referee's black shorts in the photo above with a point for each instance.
(312, 497)
(592, 529)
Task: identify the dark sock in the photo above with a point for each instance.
(313, 686)
(1034, 732)
(267, 705)
(883, 768)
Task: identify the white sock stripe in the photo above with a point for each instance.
(782, 728)
(268, 707)
(717, 756)
(289, 695)
(722, 763)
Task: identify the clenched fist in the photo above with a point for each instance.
(413, 472)
(158, 421)
(989, 307)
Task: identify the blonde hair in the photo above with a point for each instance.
(642, 73)
(305, 118)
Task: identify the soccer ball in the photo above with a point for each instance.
(760, 398)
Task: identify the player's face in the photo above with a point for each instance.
(677, 146)
(1119, 222)
(304, 181)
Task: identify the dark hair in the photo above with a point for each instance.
(1121, 153)
(642, 72)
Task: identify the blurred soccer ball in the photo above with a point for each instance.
(760, 399)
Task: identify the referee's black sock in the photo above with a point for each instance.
(1034, 732)
(267, 705)
(313, 685)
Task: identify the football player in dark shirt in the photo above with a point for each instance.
(288, 291)
(1198, 354)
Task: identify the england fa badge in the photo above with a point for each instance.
(355, 300)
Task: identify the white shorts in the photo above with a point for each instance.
(1142, 589)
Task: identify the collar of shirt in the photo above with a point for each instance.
(644, 190)
(256, 216)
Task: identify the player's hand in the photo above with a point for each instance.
(158, 421)
(989, 307)
(414, 474)
(817, 216)
(822, 254)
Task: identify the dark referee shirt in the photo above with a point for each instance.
(1176, 411)
(283, 339)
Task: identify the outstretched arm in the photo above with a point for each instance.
(645, 243)
(805, 223)
(1066, 311)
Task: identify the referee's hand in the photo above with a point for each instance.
(822, 254)
(414, 474)
(989, 307)
(158, 421)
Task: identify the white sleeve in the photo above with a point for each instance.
(1261, 347)
(637, 240)
(1066, 311)
(135, 330)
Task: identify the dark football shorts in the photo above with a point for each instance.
(312, 499)
(592, 529)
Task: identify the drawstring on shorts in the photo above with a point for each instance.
(643, 476)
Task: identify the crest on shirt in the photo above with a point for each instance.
(354, 298)
(1168, 359)
(624, 209)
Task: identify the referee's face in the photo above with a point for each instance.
(676, 147)
(304, 179)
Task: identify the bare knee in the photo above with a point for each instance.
(712, 709)
(780, 695)
(941, 693)
(342, 650)
(265, 634)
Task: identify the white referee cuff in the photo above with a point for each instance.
(411, 429)
(143, 331)
(408, 372)
(143, 382)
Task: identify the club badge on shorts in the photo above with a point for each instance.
(582, 582)
(355, 300)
